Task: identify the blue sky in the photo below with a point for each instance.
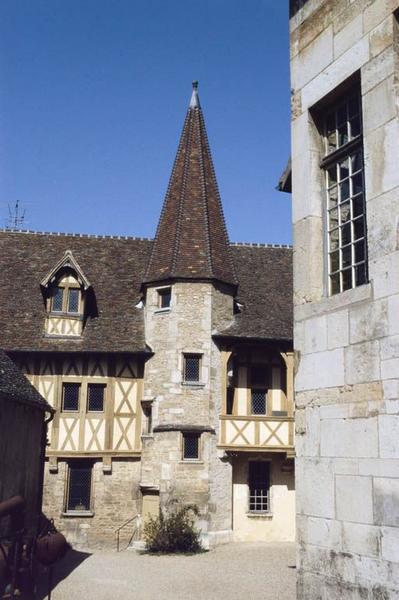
(93, 98)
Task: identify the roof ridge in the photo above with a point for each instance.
(77, 235)
(261, 245)
(204, 189)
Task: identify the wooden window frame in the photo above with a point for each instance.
(89, 465)
(254, 497)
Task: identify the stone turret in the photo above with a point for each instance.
(189, 290)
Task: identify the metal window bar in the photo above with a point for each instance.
(79, 488)
(259, 500)
(95, 394)
(191, 368)
(73, 300)
(190, 446)
(57, 299)
(258, 402)
(70, 396)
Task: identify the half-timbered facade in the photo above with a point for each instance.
(168, 362)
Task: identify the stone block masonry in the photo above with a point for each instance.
(347, 381)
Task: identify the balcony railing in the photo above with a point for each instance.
(256, 432)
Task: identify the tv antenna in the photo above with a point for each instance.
(16, 217)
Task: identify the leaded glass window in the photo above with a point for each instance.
(57, 300)
(259, 486)
(345, 202)
(79, 486)
(258, 402)
(95, 397)
(73, 300)
(190, 446)
(70, 396)
(191, 367)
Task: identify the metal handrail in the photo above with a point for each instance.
(118, 530)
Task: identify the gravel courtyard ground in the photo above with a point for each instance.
(250, 571)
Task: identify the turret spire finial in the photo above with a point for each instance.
(194, 102)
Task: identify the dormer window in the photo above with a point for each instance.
(66, 292)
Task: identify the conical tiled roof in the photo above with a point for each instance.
(191, 240)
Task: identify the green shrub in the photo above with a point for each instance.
(174, 532)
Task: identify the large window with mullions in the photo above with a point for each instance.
(345, 194)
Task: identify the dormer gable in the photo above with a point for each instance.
(66, 290)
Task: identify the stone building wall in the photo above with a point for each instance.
(196, 310)
(347, 382)
(115, 499)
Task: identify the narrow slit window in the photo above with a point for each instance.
(70, 396)
(95, 397)
(191, 446)
(57, 299)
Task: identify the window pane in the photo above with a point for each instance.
(356, 161)
(358, 227)
(334, 283)
(79, 487)
(353, 106)
(191, 367)
(357, 183)
(359, 252)
(333, 197)
(258, 402)
(330, 133)
(357, 205)
(342, 135)
(343, 169)
(346, 256)
(334, 261)
(344, 190)
(346, 234)
(58, 296)
(333, 218)
(360, 274)
(73, 300)
(95, 392)
(259, 486)
(346, 279)
(345, 212)
(190, 445)
(341, 114)
(355, 126)
(334, 239)
(70, 396)
(332, 176)
(165, 296)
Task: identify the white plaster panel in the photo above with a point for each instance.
(347, 64)
(321, 370)
(354, 498)
(349, 438)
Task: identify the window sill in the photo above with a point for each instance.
(77, 316)
(147, 436)
(260, 515)
(193, 384)
(77, 513)
(191, 461)
(335, 302)
(161, 311)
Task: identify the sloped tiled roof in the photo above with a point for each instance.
(116, 268)
(191, 240)
(14, 386)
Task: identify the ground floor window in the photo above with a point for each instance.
(79, 483)
(259, 486)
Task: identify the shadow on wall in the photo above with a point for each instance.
(50, 578)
